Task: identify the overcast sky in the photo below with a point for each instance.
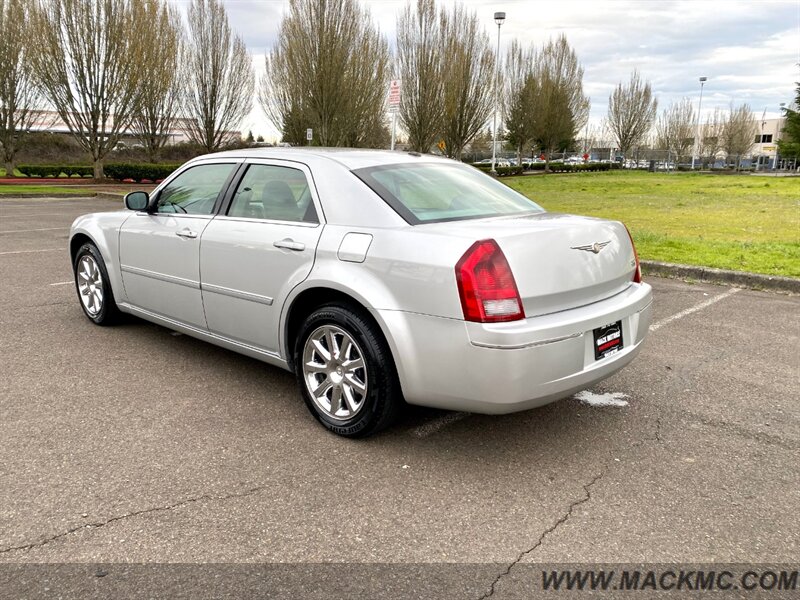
(749, 50)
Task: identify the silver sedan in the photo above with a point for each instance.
(378, 278)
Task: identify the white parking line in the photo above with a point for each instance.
(659, 324)
(30, 230)
(63, 282)
(33, 214)
(435, 425)
(30, 251)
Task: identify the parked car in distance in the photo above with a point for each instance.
(377, 277)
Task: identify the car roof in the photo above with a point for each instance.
(351, 158)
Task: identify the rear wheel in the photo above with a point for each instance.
(345, 372)
(93, 287)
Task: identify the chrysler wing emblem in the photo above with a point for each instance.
(596, 247)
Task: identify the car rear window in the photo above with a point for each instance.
(431, 193)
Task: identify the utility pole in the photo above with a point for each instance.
(697, 129)
(499, 17)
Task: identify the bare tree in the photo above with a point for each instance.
(711, 137)
(220, 81)
(20, 100)
(592, 135)
(563, 109)
(467, 70)
(739, 131)
(328, 71)
(675, 129)
(89, 62)
(161, 89)
(631, 112)
(520, 96)
(420, 64)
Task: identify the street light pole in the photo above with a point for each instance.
(499, 17)
(761, 139)
(697, 129)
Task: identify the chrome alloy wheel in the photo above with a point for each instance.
(90, 284)
(334, 372)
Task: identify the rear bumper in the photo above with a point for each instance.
(507, 367)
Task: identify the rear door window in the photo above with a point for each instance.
(274, 193)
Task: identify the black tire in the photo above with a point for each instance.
(108, 313)
(383, 399)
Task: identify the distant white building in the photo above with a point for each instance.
(50, 121)
(765, 149)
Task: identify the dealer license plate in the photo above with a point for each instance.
(607, 340)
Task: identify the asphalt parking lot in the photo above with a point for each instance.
(134, 444)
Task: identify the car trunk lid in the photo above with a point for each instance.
(558, 261)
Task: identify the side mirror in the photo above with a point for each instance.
(137, 201)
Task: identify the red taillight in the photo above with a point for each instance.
(486, 285)
(637, 274)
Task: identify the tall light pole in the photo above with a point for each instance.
(761, 139)
(697, 129)
(499, 17)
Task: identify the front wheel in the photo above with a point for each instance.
(346, 373)
(93, 287)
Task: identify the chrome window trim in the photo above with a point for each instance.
(177, 215)
(267, 221)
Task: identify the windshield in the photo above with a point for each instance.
(430, 193)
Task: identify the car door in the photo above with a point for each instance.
(258, 250)
(160, 251)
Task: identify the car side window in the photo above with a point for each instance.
(194, 191)
(274, 193)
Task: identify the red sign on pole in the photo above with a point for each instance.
(585, 157)
(542, 156)
(394, 94)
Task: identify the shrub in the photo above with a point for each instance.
(56, 170)
(139, 171)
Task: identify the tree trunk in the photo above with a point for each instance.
(9, 168)
(98, 168)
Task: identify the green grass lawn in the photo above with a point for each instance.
(743, 223)
(14, 189)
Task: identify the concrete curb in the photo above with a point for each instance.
(722, 276)
(109, 196)
(54, 195)
(88, 194)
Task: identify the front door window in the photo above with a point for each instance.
(195, 191)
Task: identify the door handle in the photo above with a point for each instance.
(290, 244)
(186, 233)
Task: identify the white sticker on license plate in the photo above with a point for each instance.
(607, 340)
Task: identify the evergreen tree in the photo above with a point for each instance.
(789, 144)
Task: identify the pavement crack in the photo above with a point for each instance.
(558, 523)
(137, 513)
(570, 509)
